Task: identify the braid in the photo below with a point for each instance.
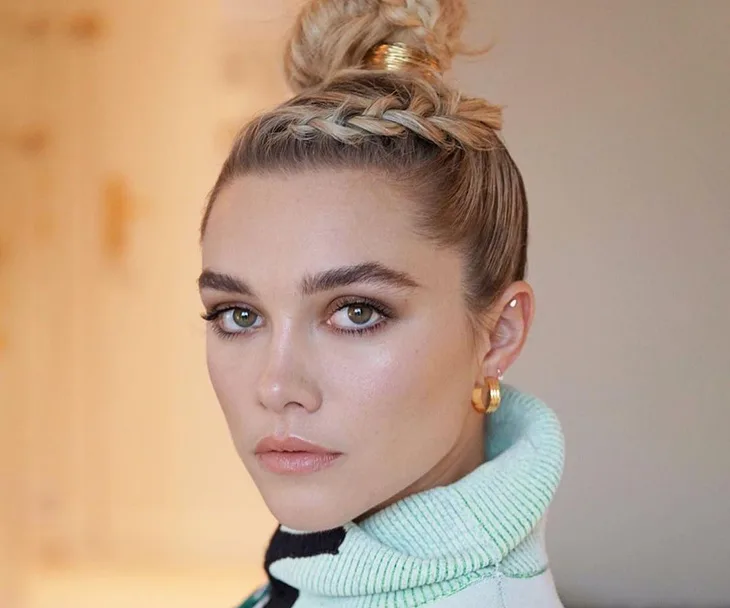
(441, 117)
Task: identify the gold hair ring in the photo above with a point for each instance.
(486, 399)
(396, 56)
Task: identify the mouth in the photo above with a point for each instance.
(293, 456)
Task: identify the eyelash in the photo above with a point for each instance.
(384, 311)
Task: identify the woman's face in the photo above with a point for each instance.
(337, 325)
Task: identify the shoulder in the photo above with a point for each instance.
(257, 599)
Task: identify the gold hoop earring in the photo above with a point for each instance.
(486, 399)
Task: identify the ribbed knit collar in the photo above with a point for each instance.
(442, 539)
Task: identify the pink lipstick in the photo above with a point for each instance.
(293, 456)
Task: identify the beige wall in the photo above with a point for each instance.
(118, 477)
(619, 116)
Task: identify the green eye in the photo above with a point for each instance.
(243, 318)
(359, 314)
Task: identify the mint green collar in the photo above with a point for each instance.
(434, 542)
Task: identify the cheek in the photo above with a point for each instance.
(399, 409)
(394, 391)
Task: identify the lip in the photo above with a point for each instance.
(293, 456)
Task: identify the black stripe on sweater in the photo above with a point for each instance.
(283, 545)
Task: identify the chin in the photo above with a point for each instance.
(303, 522)
(307, 509)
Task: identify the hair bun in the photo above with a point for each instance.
(333, 35)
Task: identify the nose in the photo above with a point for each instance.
(286, 378)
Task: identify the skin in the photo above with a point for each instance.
(396, 401)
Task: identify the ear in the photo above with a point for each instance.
(513, 312)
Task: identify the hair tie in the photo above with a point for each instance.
(396, 56)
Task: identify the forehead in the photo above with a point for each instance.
(310, 221)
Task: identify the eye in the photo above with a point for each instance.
(356, 317)
(234, 320)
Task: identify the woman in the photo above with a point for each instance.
(364, 253)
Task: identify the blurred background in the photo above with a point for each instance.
(118, 483)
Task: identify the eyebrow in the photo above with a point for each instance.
(368, 272)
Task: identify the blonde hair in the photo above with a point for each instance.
(440, 148)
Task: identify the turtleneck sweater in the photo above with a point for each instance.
(476, 543)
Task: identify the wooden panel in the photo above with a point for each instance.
(25, 234)
(112, 446)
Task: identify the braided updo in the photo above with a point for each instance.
(437, 147)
